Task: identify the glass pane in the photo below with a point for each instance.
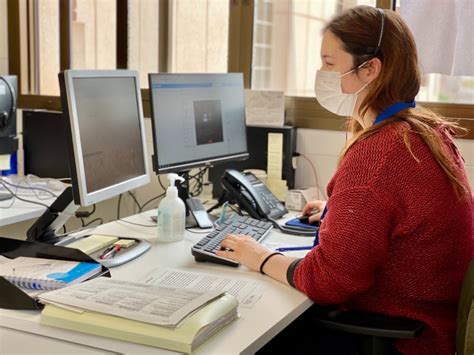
(445, 88)
(3, 38)
(199, 35)
(287, 39)
(94, 34)
(47, 48)
(143, 38)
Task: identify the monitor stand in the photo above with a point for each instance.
(45, 230)
(196, 214)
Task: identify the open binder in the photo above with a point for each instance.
(11, 297)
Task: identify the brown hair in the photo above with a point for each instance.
(359, 29)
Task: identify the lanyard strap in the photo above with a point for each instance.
(393, 110)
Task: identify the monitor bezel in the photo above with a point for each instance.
(80, 193)
(188, 165)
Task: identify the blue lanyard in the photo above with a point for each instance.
(393, 110)
(385, 114)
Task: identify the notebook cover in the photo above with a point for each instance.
(12, 297)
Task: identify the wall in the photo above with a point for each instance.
(322, 147)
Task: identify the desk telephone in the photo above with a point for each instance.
(252, 195)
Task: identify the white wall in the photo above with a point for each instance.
(322, 147)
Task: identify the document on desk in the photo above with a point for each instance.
(165, 306)
(247, 291)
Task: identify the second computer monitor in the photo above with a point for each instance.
(198, 120)
(106, 135)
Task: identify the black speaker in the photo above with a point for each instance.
(44, 144)
(8, 95)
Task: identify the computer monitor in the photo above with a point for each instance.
(198, 120)
(107, 146)
(105, 139)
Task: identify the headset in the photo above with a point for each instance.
(6, 117)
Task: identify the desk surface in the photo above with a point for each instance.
(15, 210)
(278, 307)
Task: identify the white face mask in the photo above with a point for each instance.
(328, 90)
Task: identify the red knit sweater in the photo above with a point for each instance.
(396, 240)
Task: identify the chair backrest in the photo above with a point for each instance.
(465, 320)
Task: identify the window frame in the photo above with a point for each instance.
(302, 112)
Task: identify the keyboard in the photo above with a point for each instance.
(205, 249)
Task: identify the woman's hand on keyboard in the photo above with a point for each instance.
(243, 249)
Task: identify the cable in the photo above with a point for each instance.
(101, 221)
(20, 198)
(161, 184)
(135, 200)
(136, 224)
(151, 200)
(314, 172)
(118, 206)
(85, 214)
(5, 181)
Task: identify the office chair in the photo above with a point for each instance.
(377, 332)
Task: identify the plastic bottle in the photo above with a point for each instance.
(171, 214)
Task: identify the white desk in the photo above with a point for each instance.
(21, 211)
(15, 211)
(278, 307)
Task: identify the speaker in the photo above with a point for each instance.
(8, 95)
(44, 144)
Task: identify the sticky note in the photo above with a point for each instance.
(93, 243)
(5, 162)
(125, 243)
(275, 155)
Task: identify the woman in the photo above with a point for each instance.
(397, 235)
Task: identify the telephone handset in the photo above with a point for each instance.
(252, 195)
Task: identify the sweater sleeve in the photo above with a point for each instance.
(354, 238)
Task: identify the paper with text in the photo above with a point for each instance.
(265, 107)
(166, 306)
(247, 291)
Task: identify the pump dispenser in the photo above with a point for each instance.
(171, 214)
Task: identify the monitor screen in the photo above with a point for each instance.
(198, 119)
(108, 151)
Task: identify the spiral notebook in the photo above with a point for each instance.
(47, 274)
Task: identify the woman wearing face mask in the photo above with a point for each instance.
(396, 233)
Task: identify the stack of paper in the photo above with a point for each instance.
(170, 318)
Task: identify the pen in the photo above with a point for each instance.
(111, 253)
(106, 251)
(306, 247)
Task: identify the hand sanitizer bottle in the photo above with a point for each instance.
(171, 214)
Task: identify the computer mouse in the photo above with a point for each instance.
(305, 219)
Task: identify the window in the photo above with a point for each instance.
(287, 39)
(94, 34)
(44, 49)
(143, 48)
(445, 88)
(199, 36)
(3, 38)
